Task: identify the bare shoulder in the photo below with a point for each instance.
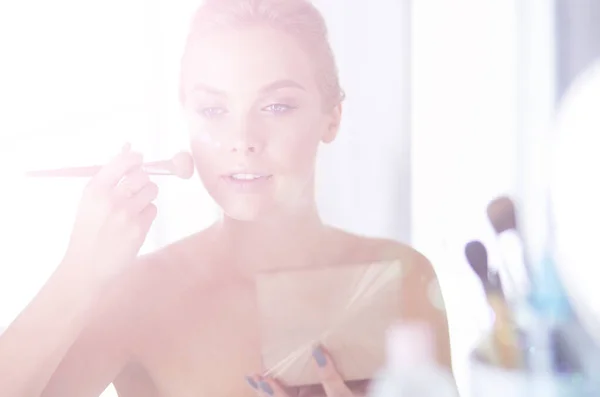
(359, 249)
(422, 299)
(419, 276)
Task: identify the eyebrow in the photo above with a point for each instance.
(279, 84)
(199, 87)
(274, 86)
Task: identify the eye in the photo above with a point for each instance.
(211, 112)
(278, 108)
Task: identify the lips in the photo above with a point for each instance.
(247, 182)
(247, 177)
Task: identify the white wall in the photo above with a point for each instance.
(366, 171)
(483, 100)
(464, 126)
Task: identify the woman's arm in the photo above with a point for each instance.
(32, 347)
(103, 347)
(112, 222)
(75, 337)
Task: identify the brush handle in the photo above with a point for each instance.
(89, 171)
(181, 165)
(505, 337)
(494, 283)
(516, 273)
(65, 172)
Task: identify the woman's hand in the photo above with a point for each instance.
(332, 384)
(113, 219)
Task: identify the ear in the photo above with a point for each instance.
(333, 126)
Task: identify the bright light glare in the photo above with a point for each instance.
(576, 194)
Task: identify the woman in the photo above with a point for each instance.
(260, 90)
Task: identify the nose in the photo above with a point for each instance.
(247, 141)
(245, 146)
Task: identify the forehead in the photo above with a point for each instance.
(244, 61)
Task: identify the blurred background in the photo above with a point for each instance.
(447, 102)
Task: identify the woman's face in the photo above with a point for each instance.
(256, 118)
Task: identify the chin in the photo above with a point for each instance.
(246, 210)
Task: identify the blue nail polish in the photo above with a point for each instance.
(251, 382)
(266, 388)
(319, 357)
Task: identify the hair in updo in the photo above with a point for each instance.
(298, 18)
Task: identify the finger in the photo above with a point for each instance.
(253, 382)
(271, 388)
(311, 391)
(147, 217)
(332, 381)
(142, 199)
(111, 173)
(132, 182)
(359, 387)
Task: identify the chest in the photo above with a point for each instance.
(205, 343)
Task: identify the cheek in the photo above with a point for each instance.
(203, 138)
(205, 153)
(295, 154)
(296, 148)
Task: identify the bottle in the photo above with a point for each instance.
(411, 368)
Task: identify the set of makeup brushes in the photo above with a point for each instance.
(527, 334)
(503, 346)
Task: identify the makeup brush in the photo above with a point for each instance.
(180, 165)
(478, 260)
(504, 338)
(502, 215)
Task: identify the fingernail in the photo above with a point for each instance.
(319, 357)
(251, 382)
(266, 387)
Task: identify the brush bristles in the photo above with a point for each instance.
(501, 213)
(183, 165)
(478, 260)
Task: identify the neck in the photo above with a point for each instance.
(282, 240)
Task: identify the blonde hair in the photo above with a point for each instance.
(298, 18)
